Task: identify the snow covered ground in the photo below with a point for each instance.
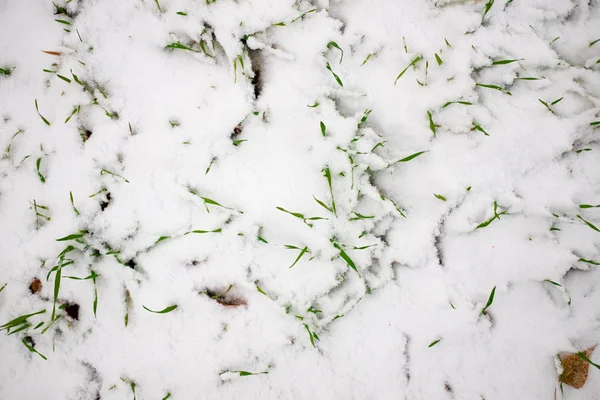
(350, 199)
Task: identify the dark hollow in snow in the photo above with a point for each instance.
(30, 341)
(105, 203)
(257, 63)
(85, 133)
(72, 310)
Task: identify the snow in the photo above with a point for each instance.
(240, 131)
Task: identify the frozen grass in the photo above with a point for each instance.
(152, 260)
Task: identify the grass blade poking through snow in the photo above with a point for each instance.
(495, 87)
(73, 204)
(41, 116)
(302, 252)
(322, 204)
(107, 172)
(334, 44)
(434, 343)
(337, 78)
(496, 216)
(431, 123)
(311, 335)
(201, 231)
(489, 302)
(37, 166)
(488, 7)
(163, 311)
(31, 349)
(589, 206)
(589, 224)
(327, 174)
(466, 103)
(413, 62)
(503, 62)
(75, 111)
(411, 157)
(584, 357)
(477, 127)
(19, 321)
(246, 373)
(344, 255)
(323, 129)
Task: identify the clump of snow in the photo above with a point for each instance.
(298, 199)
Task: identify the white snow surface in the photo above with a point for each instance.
(246, 119)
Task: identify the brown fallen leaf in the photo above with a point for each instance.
(575, 369)
(35, 286)
(52, 53)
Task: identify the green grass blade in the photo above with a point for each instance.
(584, 357)
(337, 78)
(73, 236)
(431, 123)
(503, 62)
(411, 157)
(41, 116)
(302, 252)
(489, 302)
(413, 62)
(334, 44)
(589, 224)
(163, 311)
(434, 343)
(323, 129)
(345, 257)
(73, 204)
(31, 349)
(495, 87)
(327, 174)
(322, 204)
(37, 166)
